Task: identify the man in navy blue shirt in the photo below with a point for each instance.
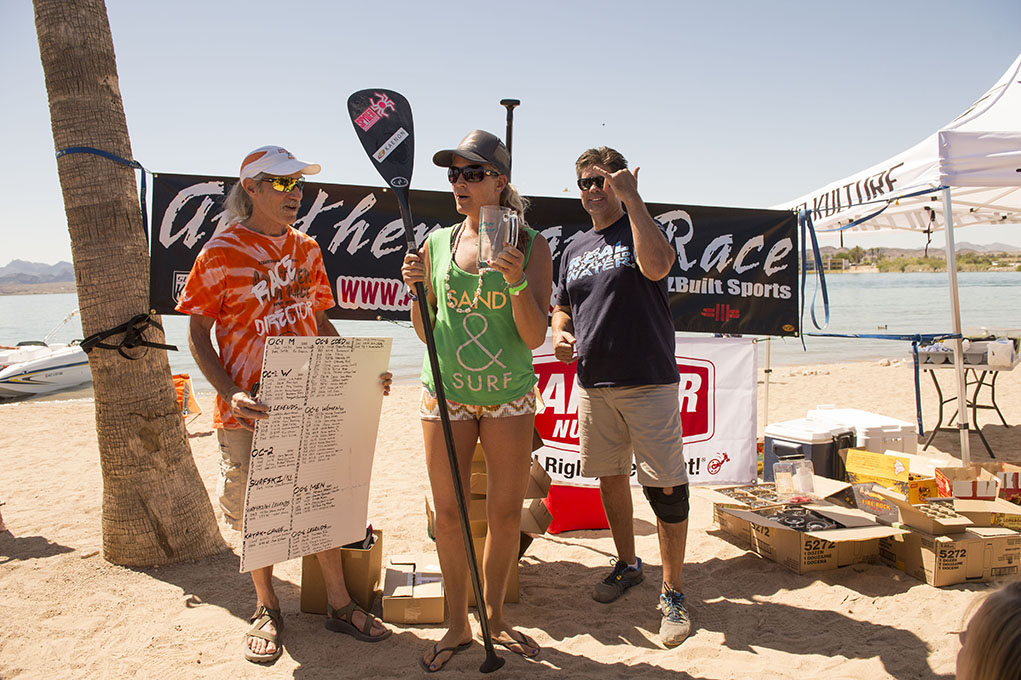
(613, 316)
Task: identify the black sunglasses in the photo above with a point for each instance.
(285, 184)
(471, 173)
(585, 183)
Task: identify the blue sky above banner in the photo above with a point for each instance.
(743, 104)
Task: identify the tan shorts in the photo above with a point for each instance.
(641, 422)
(235, 452)
(429, 408)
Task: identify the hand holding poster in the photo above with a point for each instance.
(308, 483)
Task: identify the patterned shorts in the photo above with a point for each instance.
(429, 408)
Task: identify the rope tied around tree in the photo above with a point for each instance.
(133, 331)
(123, 161)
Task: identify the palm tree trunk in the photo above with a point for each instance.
(155, 507)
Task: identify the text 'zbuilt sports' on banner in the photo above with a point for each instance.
(718, 404)
(736, 269)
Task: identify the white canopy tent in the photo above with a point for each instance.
(967, 173)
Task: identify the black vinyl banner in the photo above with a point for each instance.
(736, 269)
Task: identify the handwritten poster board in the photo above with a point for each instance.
(311, 460)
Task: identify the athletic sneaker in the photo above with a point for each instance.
(676, 625)
(620, 579)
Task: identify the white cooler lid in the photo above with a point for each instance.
(806, 431)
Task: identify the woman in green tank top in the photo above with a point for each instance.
(486, 324)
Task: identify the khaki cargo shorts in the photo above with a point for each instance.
(640, 423)
(235, 452)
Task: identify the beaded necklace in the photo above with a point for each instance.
(451, 296)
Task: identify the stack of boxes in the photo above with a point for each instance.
(929, 517)
(535, 519)
(413, 584)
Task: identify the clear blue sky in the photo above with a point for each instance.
(720, 103)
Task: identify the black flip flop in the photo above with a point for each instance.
(436, 652)
(517, 638)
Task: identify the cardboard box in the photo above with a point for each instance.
(736, 528)
(973, 482)
(537, 442)
(538, 480)
(931, 518)
(975, 555)
(1010, 482)
(994, 513)
(513, 593)
(892, 471)
(804, 551)
(743, 497)
(535, 519)
(413, 590)
(763, 496)
(868, 500)
(361, 568)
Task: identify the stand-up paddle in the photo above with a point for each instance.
(382, 120)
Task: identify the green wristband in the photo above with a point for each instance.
(518, 287)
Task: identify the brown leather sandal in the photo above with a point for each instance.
(260, 618)
(340, 621)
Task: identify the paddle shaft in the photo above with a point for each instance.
(448, 437)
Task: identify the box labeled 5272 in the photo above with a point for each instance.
(975, 555)
(854, 539)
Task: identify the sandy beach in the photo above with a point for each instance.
(70, 614)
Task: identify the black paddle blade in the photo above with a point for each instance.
(383, 122)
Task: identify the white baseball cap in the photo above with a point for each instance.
(275, 160)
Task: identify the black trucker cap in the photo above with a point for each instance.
(480, 147)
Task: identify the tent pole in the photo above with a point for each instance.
(765, 396)
(955, 318)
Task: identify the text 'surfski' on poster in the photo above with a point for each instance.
(308, 486)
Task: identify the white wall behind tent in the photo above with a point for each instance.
(970, 170)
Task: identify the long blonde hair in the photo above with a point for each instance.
(510, 198)
(994, 636)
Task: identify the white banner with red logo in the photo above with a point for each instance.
(718, 402)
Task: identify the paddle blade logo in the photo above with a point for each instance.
(390, 144)
(378, 108)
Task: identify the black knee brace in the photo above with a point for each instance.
(671, 508)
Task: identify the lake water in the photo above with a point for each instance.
(859, 304)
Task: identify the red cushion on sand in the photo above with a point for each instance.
(574, 508)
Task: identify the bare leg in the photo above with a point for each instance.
(672, 539)
(616, 493)
(449, 536)
(336, 590)
(507, 443)
(262, 578)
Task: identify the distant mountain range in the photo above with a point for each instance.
(20, 271)
(934, 250)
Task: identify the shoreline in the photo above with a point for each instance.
(60, 287)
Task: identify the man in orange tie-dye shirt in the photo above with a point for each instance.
(256, 278)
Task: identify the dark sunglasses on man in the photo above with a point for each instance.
(585, 183)
(285, 184)
(471, 173)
